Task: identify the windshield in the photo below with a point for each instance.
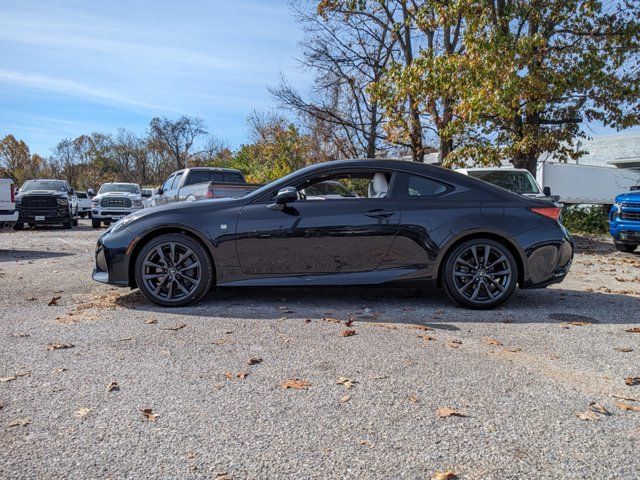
(120, 187)
(57, 185)
(514, 181)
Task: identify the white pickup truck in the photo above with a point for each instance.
(114, 201)
(8, 212)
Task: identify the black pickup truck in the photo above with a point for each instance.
(200, 183)
(46, 202)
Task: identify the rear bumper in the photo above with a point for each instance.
(8, 218)
(549, 262)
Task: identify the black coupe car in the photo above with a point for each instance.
(399, 222)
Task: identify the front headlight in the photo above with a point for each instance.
(63, 202)
(120, 224)
(616, 210)
(137, 202)
(18, 201)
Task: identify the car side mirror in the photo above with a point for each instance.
(72, 191)
(635, 188)
(285, 195)
(160, 191)
(546, 191)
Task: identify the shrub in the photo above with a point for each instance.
(586, 219)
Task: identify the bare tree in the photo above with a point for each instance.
(179, 136)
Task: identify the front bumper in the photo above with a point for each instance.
(112, 214)
(111, 259)
(625, 231)
(49, 216)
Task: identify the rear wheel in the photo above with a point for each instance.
(173, 270)
(18, 226)
(480, 274)
(623, 247)
(95, 223)
(69, 223)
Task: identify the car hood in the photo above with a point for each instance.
(628, 197)
(208, 205)
(133, 196)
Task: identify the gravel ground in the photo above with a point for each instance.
(518, 375)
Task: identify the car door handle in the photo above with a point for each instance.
(379, 213)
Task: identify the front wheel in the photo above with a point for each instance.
(624, 247)
(18, 226)
(173, 270)
(95, 223)
(68, 225)
(480, 274)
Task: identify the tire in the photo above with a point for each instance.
(95, 223)
(75, 221)
(470, 283)
(189, 268)
(68, 225)
(18, 226)
(624, 247)
(82, 215)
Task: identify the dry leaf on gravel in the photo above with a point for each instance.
(454, 343)
(20, 335)
(587, 415)
(222, 341)
(330, 320)
(366, 443)
(176, 327)
(148, 414)
(448, 475)
(15, 376)
(592, 413)
(626, 406)
(422, 327)
(241, 375)
(223, 476)
(254, 360)
(82, 412)
(624, 397)
(59, 370)
(596, 407)
(54, 301)
(19, 422)
(413, 399)
(623, 349)
(493, 341)
(345, 399)
(345, 382)
(151, 321)
(632, 381)
(426, 337)
(633, 330)
(348, 333)
(113, 386)
(512, 350)
(444, 412)
(295, 384)
(59, 346)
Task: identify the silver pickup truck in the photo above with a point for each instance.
(200, 183)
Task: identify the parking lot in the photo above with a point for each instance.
(257, 383)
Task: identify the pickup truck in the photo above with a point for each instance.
(624, 221)
(46, 202)
(8, 212)
(84, 204)
(114, 201)
(200, 183)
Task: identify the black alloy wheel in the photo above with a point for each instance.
(173, 270)
(480, 274)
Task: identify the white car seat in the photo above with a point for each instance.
(378, 187)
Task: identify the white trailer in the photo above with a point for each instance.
(587, 184)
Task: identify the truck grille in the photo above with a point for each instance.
(631, 205)
(40, 202)
(630, 215)
(116, 202)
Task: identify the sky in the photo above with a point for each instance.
(72, 67)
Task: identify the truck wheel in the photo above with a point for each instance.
(18, 226)
(623, 247)
(173, 270)
(75, 221)
(95, 223)
(480, 274)
(68, 225)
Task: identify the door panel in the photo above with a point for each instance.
(316, 236)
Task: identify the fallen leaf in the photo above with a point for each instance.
(512, 350)
(413, 399)
(623, 349)
(330, 320)
(592, 412)
(426, 337)
(54, 301)
(631, 399)
(254, 360)
(15, 376)
(223, 476)
(454, 343)
(296, 384)
(633, 330)
(59, 346)
(448, 475)
(222, 341)
(59, 370)
(626, 406)
(493, 341)
(125, 339)
(228, 375)
(348, 333)
(82, 412)
(445, 412)
(346, 398)
(148, 414)
(20, 335)
(424, 328)
(345, 382)
(151, 321)
(19, 422)
(632, 381)
(176, 327)
(113, 386)
(366, 443)
(587, 415)
(241, 375)
(307, 320)
(596, 407)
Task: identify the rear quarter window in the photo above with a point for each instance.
(233, 177)
(408, 186)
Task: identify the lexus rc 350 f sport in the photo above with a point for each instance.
(399, 222)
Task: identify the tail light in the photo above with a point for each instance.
(13, 193)
(209, 193)
(550, 212)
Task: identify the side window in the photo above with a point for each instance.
(167, 184)
(176, 180)
(346, 186)
(416, 187)
(233, 177)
